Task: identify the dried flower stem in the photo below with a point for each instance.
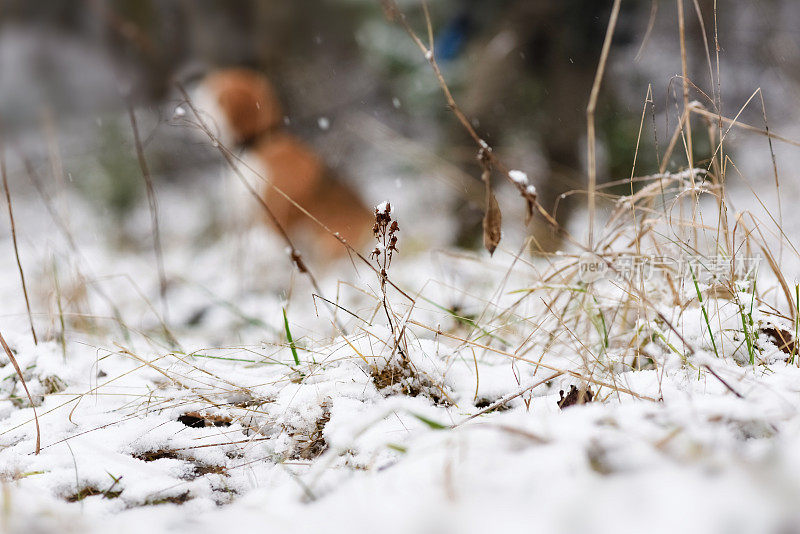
(385, 231)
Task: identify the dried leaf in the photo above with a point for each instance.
(575, 396)
(196, 419)
(782, 338)
(492, 219)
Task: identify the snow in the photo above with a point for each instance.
(518, 177)
(392, 461)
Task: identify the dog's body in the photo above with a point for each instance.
(247, 112)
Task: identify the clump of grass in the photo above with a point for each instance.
(52, 384)
(181, 498)
(310, 444)
(749, 332)
(660, 217)
(399, 377)
(91, 491)
(158, 454)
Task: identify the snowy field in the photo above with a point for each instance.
(206, 417)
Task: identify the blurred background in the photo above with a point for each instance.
(357, 89)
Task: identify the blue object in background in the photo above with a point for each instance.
(450, 41)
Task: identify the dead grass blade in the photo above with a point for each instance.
(14, 241)
(24, 385)
(590, 111)
(152, 202)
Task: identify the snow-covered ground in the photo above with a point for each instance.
(204, 418)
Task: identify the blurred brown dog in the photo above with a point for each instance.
(247, 112)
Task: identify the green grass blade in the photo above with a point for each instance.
(705, 313)
(289, 338)
(430, 422)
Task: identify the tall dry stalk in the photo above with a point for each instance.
(14, 241)
(152, 203)
(590, 116)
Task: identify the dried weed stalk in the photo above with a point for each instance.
(385, 231)
(14, 241)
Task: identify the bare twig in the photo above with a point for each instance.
(685, 76)
(590, 111)
(650, 25)
(14, 241)
(48, 201)
(152, 202)
(62, 337)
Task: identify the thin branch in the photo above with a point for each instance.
(14, 241)
(590, 112)
(152, 202)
